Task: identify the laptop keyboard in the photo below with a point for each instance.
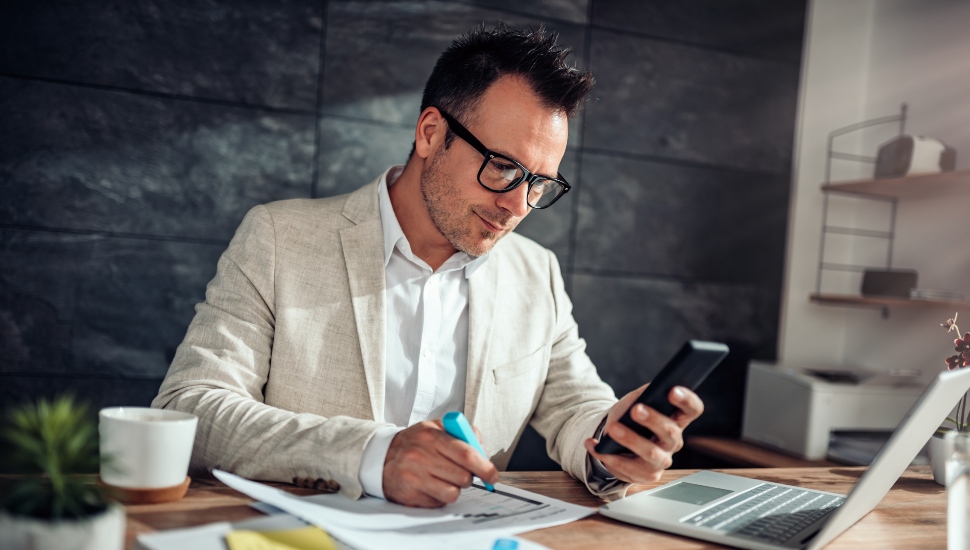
(774, 513)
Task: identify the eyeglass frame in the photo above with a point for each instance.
(489, 155)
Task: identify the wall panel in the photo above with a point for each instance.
(135, 136)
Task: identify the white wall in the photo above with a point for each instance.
(862, 59)
(832, 93)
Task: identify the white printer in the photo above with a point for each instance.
(797, 409)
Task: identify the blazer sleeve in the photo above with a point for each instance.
(575, 400)
(221, 368)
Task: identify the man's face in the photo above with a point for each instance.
(511, 121)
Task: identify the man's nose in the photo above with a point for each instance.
(515, 200)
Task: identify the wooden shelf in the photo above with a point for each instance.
(886, 301)
(910, 186)
(744, 454)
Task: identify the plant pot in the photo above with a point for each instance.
(104, 531)
(940, 450)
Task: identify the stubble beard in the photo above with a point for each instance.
(454, 218)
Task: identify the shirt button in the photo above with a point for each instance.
(427, 353)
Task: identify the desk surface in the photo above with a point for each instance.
(913, 514)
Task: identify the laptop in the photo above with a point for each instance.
(748, 513)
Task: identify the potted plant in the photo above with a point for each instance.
(53, 500)
(941, 444)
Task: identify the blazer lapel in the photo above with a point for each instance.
(363, 248)
(482, 290)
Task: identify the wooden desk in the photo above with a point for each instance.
(913, 514)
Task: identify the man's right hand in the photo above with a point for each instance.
(428, 468)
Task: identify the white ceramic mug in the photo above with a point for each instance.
(143, 448)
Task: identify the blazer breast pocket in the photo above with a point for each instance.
(517, 369)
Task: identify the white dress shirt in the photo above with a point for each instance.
(426, 352)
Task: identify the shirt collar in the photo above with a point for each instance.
(394, 236)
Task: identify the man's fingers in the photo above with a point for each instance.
(629, 468)
(650, 456)
(452, 473)
(440, 491)
(668, 433)
(621, 406)
(428, 468)
(416, 487)
(418, 499)
(656, 455)
(406, 485)
(689, 406)
(466, 457)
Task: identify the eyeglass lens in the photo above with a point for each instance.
(499, 174)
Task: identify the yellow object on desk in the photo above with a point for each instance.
(305, 538)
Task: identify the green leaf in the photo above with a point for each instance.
(55, 441)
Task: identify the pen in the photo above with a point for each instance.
(457, 426)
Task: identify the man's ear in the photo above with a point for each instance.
(429, 133)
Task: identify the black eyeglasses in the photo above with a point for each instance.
(500, 174)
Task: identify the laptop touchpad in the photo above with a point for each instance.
(691, 493)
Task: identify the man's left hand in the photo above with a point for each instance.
(650, 456)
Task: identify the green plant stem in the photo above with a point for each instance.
(959, 414)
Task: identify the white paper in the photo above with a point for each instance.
(205, 537)
(474, 521)
(212, 536)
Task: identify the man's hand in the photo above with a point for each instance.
(428, 468)
(650, 457)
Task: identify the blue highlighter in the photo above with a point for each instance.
(457, 426)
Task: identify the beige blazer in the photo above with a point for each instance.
(284, 361)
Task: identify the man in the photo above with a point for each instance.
(337, 332)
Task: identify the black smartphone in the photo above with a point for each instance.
(688, 368)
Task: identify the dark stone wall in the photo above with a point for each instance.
(134, 135)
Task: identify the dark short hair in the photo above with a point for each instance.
(476, 60)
